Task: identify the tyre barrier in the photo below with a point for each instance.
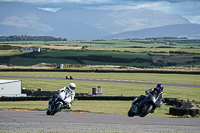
(23, 98)
(174, 101)
(179, 103)
(100, 71)
(121, 98)
(181, 112)
(170, 101)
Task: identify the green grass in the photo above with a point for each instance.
(17, 61)
(31, 42)
(121, 49)
(180, 43)
(114, 89)
(143, 64)
(152, 77)
(108, 107)
(9, 53)
(178, 58)
(60, 55)
(141, 50)
(125, 55)
(109, 89)
(123, 59)
(146, 50)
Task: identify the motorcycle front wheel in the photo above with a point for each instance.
(130, 113)
(57, 108)
(145, 109)
(48, 112)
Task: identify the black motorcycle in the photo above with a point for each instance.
(145, 106)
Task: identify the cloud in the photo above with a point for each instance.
(50, 9)
(189, 9)
(97, 1)
(28, 21)
(59, 1)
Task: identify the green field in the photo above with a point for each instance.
(9, 53)
(152, 53)
(96, 57)
(17, 61)
(114, 89)
(85, 57)
(116, 54)
(151, 42)
(108, 107)
(141, 53)
(149, 53)
(109, 89)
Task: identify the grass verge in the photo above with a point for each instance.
(107, 107)
(109, 89)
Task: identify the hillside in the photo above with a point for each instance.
(79, 23)
(178, 30)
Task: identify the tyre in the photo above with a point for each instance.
(48, 112)
(192, 112)
(197, 111)
(145, 109)
(130, 114)
(57, 108)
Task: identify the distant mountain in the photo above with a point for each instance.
(78, 23)
(178, 30)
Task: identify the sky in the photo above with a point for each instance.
(189, 9)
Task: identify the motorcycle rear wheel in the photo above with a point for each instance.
(146, 108)
(57, 108)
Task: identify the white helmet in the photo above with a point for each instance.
(72, 87)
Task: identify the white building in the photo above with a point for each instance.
(11, 88)
(31, 49)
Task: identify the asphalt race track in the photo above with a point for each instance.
(38, 121)
(106, 80)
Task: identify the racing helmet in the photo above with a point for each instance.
(159, 87)
(72, 86)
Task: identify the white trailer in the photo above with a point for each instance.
(10, 88)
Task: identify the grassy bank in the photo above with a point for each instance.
(108, 107)
(151, 77)
(109, 89)
(113, 89)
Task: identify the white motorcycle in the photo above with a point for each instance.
(61, 102)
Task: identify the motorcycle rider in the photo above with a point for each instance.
(153, 91)
(69, 92)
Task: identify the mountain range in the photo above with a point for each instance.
(177, 30)
(80, 23)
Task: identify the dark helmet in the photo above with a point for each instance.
(159, 87)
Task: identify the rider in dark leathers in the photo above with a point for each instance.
(153, 91)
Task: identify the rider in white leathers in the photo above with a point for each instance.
(69, 95)
(69, 92)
